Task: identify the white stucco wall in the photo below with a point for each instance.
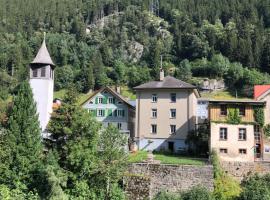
(43, 95)
(232, 144)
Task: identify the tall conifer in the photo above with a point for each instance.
(22, 140)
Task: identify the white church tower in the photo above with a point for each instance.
(42, 83)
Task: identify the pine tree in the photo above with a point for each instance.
(22, 141)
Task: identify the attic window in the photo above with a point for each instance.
(35, 72)
(43, 71)
(91, 102)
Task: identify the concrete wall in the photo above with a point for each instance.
(185, 106)
(232, 144)
(172, 178)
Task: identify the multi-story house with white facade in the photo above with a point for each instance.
(109, 107)
(235, 132)
(165, 113)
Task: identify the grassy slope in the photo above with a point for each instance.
(141, 156)
(223, 94)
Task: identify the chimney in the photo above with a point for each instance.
(161, 74)
(118, 89)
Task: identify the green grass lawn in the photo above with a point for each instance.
(141, 156)
(177, 160)
(138, 156)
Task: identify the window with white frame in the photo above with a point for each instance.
(173, 129)
(120, 113)
(173, 97)
(242, 134)
(223, 134)
(100, 100)
(100, 112)
(111, 100)
(153, 128)
(154, 113)
(173, 113)
(154, 98)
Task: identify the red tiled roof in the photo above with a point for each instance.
(259, 90)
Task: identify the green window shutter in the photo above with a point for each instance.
(110, 112)
(105, 100)
(96, 112)
(123, 113)
(113, 100)
(96, 100)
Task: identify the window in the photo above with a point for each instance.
(35, 72)
(154, 113)
(242, 110)
(223, 110)
(173, 129)
(173, 97)
(111, 100)
(154, 98)
(257, 134)
(242, 151)
(43, 71)
(223, 133)
(120, 113)
(100, 100)
(173, 113)
(154, 128)
(120, 102)
(100, 113)
(119, 126)
(242, 134)
(91, 102)
(222, 150)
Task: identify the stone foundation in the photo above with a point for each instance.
(239, 170)
(153, 178)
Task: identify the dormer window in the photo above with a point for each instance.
(35, 72)
(43, 72)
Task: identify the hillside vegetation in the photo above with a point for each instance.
(96, 43)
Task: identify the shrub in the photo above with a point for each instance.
(226, 188)
(197, 193)
(256, 188)
(167, 196)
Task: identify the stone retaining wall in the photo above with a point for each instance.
(171, 178)
(239, 170)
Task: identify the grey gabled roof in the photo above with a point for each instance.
(114, 93)
(43, 56)
(169, 82)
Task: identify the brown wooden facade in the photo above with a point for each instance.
(215, 114)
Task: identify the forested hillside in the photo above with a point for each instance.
(103, 42)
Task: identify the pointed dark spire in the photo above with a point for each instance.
(43, 56)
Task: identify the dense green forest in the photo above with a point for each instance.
(103, 42)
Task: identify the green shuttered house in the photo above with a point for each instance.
(109, 107)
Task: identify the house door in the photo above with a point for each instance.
(171, 146)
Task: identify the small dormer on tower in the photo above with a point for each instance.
(42, 84)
